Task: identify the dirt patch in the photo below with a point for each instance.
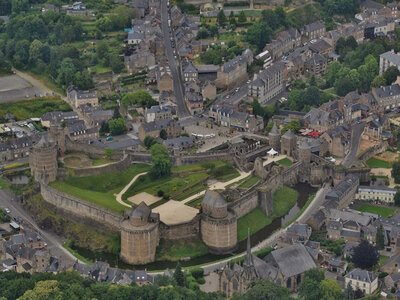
(384, 172)
(77, 160)
(388, 156)
(144, 197)
(175, 212)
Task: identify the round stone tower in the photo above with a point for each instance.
(218, 224)
(304, 152)
(43, 160)
(139, 235)
(274, 138)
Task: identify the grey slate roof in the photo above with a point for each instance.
(288, 135)
(388, 91)
(274, 131)
(214, 199)
(362, 275)
(292, 260)
(391, 57)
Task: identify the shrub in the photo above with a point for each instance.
(160, 193)
(166, 197)
(201, 280)
(197, 273)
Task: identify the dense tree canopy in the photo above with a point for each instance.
(117, 126)
(160, 162)
(365, 255)
(140, 98)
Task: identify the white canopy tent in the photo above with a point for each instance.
(272, 152)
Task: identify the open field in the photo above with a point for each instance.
(34, 107)
(175, 250)
(374, 162)
(100, 189)
(181, 178)
(284, 199)
(255, 220)
(379, 210)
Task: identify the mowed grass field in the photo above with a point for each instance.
(177, 249)
(255, 220)
(285, 162)
(283, 200)
(183, 177)
(374, 162)
(100, 189)
(378, 210)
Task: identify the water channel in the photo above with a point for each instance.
(304, 190)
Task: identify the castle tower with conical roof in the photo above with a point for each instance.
(274, 138)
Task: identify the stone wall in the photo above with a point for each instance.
(80, 207)
(180, 231)
(195, 158)
(121, 165)
(381, 147)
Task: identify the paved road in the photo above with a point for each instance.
(357, 130)
(173, 63)
(54, 243)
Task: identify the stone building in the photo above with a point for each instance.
(364, 280)
(218, 224)
(139, 235)
(304, 152)
(288, 143)
(274, 138)
(43, 160)
(78, 98)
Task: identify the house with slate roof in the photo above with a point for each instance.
(363, 280)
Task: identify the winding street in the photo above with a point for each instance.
(119, 195)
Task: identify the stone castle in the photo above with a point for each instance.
(216, 222)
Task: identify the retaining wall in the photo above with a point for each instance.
(80, 207)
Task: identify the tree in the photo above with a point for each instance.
(163, 280)
(379, 238)
(104, 24)
(242, 17)
(349, 292)
(47, 289)
(66, 72)
(391, 74)
(160, 162)
(397, 199)
(294, 126)
(83, 80)
(163, 134)
(396, 171)
(263, 289)
(116, 63)
(309, 288)
(378, 81)
(117, 126)
(178, 275)
(365, 255)
(259, 34)
(221, 18)
(330, 290)
(149, 141)
(141, 98)
(104, 128)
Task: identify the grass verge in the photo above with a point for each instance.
(250, 182)
(384, 212)
(174, 250)
(66, 246)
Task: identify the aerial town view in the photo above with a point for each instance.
(198, 149)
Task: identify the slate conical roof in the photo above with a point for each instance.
(274, 131)
(214, 199)
(288, 135)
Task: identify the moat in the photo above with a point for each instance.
(304, 191)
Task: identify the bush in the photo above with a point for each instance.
(160, 193)
(382, 275)
(201, 281)
(197, 273)
(166, 197)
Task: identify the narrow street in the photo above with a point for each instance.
(356, 132)
(54, 243)
(173, 63)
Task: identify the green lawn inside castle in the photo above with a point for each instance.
(182, 183)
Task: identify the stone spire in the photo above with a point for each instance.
(274, 130)
(248, 261)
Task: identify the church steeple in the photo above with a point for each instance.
(248, 261)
